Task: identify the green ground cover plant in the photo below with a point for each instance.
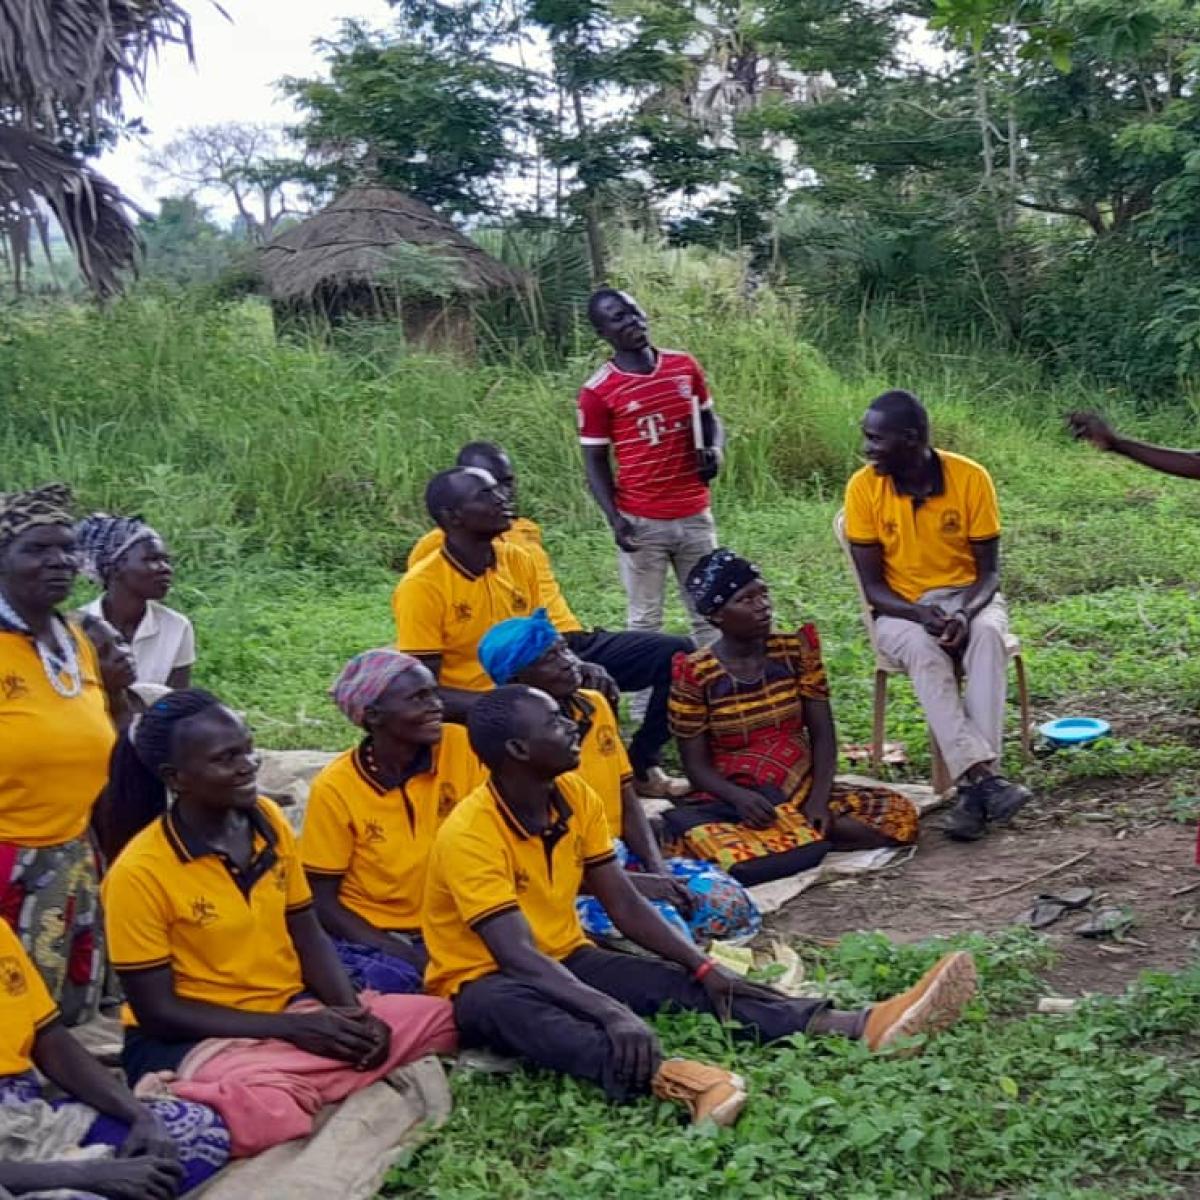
(288, 479)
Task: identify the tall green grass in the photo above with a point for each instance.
(289, 476)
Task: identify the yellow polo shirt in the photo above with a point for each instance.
(528, 535)
(53, 751)
(485, 862)
(378, 840)
(26, 1006)
(170, 900)
(442, 608)
(603, 760)
(926, 546)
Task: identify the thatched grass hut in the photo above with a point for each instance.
(379, 254)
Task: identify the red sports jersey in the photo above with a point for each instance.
(648, 421)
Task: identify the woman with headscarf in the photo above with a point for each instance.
(751, 715)
(131, 562)
(697, 900)
(55, 740)
(372, 814)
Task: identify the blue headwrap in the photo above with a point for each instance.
(508, 648)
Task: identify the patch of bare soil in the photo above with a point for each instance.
(1143, 863)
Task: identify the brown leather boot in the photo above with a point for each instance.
(708, 1093)
(935, 1001)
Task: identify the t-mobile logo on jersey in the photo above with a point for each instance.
(653, 427)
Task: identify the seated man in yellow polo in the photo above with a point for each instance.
(448, 600)
(372, 814)
(505, 942)
(697, 899)
(924, 531)
(638, 661)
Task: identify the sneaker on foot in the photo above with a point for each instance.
(934, 1002)
(656, 784)
(708, 1093)
(1002, 798)
(968, 819)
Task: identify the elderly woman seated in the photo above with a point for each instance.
(751, 715)
(372, 814)
(699, 901)
(99, 1140)
(213, 935)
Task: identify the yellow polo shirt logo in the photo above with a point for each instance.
(463, 612)
(13, 687)
(204, 911)
(520, 602)
(447, 799)
(520, 881)
(373, 833)
(952, 522)
(606, 742)
(12, 977)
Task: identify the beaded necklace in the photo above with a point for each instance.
(61, 664)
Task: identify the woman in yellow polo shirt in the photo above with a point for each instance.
(163, 1148)
(751, 715)
(210, 918)
(372, 814)
(696, 899)
(55, 740)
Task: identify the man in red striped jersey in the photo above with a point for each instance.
(649, 411)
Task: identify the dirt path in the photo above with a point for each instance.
(949, 887)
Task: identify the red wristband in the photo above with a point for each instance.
(703, 969)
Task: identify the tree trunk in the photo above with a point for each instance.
(591, 209)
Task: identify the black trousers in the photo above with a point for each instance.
(637, 661)
(517, 1019)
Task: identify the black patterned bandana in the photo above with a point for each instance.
(47, 505)
(717, 578)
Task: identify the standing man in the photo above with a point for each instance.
(649, 411)
(924, 531)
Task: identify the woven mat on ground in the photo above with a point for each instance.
(356, 1143)
(770, 897)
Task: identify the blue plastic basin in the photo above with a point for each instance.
(1074, 731)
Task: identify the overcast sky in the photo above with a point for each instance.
(237, 63)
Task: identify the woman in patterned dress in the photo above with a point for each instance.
(751, 715)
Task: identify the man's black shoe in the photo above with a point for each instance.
(1002, 799)
(968, 818)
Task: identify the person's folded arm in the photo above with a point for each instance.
(65, 1062)
(753, 807)
(635, 918)
(341, 922)
(324, 975)
(510, 942)
(987, 578)
(636, 833)
(868, 562)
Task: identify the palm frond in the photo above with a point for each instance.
(63, 64)
(36, 176)
(68, 59)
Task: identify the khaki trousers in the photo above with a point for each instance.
(968, 727)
